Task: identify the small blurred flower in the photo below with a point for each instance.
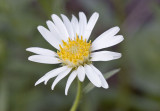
(74, 51)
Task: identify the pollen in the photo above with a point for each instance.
(75, 52)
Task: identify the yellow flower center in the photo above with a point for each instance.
(74, 52)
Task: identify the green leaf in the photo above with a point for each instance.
(107, 75)
(3, 96)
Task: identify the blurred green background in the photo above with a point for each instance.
(135, 88)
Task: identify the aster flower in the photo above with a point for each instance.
(75, 52)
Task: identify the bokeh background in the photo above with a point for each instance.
(135, 88)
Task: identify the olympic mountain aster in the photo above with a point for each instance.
(74, 51)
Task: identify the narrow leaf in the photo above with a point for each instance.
(107, 75)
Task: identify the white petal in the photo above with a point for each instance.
(55, 32)
(92, 76)
(75, 25)
(91, 23)
(48, 37)
(68, 25)
(107, 43)
(104, 56)
(44, 59)
(82, 23)
(70, 80)
(107, 39)
(60, 76)
(51, 74)
(103, 81)
(81, 73)
(60, 26)
(41, 51)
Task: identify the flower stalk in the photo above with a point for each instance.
(78, 97)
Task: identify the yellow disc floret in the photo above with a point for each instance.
(74, 52)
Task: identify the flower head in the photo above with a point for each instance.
(74, 51)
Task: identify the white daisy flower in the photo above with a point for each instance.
(74, 51)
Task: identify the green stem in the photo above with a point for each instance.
(78, 96)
